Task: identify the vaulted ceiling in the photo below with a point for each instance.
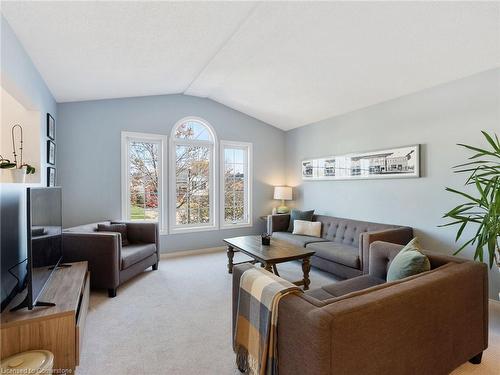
(285, 63)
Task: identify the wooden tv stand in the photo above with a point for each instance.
(58, 328)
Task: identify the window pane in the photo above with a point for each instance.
(193, 130)
(192, 170)
(235, 184)
(143, 180)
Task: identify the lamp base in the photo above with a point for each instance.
(282, 210)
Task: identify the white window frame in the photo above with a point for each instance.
(248, 184)
(214, 164)
(126, 138)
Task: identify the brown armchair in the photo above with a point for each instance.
(110, 263)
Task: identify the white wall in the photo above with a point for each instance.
(13, 113)
(437, 118)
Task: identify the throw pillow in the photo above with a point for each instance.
(409, 261)
(299, 215)
(307, 228)
(117, 228)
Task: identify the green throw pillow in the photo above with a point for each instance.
(409, 261)
(299, 215)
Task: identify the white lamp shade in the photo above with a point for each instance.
(283, 192)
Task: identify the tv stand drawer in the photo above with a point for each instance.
(81, 317)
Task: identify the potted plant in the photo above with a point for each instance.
(18, 168)
(482, 206)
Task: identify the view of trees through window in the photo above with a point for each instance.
(143, 169)
(192, 173)
(234, 185)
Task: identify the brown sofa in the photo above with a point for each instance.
(343, 246)
(110, 263)
(425, 324)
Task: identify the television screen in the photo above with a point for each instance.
(13, 241)
(44, 238)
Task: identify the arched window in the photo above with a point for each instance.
(192, 175)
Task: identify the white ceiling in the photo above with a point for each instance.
(285, 63)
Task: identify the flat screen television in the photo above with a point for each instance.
(44, 241)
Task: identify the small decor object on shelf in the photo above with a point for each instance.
(481, 208)
(51, 127)
(266, 239)
(51, 152)
(400, 162)
(51, 176)
(285, 194)
(18, 168)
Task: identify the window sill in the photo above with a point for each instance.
(236, 226)
(180, 230)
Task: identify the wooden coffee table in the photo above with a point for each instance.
(268, 256)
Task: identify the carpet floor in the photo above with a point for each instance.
(177, 321)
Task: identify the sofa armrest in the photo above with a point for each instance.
(102, 252)
(277, 223)
(438, 319)
(400, 235)
(380, 256)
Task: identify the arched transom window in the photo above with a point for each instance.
(192, 172)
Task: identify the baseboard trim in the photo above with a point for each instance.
(181, 253)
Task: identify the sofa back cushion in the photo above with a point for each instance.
(346, 231)
(92, 227)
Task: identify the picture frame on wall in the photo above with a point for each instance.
(51, 153)
(398, 162)
(51, 176)
(51, 127)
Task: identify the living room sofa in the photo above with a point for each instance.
(110, 263)
(429, 323)
(343, 246)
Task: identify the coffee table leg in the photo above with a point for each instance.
(306, 267)
(230, 256)
(268, 267)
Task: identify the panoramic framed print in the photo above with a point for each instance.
(51, 152)
(399, 162)
(51, 127)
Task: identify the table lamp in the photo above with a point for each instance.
(285, 194)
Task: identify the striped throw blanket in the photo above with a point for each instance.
(255, 339)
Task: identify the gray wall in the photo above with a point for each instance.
(89, 156)
(437, 118)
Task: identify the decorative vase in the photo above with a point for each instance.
(18, 175)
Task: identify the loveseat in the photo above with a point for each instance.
(429, 323)
(110, 263)
(343, 246)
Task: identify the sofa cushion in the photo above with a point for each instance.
(409, 261)
(299, 215)
(296, 239)
(307, 228)
(134, 253)
(337, 252)
(344, 287)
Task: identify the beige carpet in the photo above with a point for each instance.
(177, 321)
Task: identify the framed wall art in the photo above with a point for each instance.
(51, 127)
(399, 162)
(51, 152)
(51, 176)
